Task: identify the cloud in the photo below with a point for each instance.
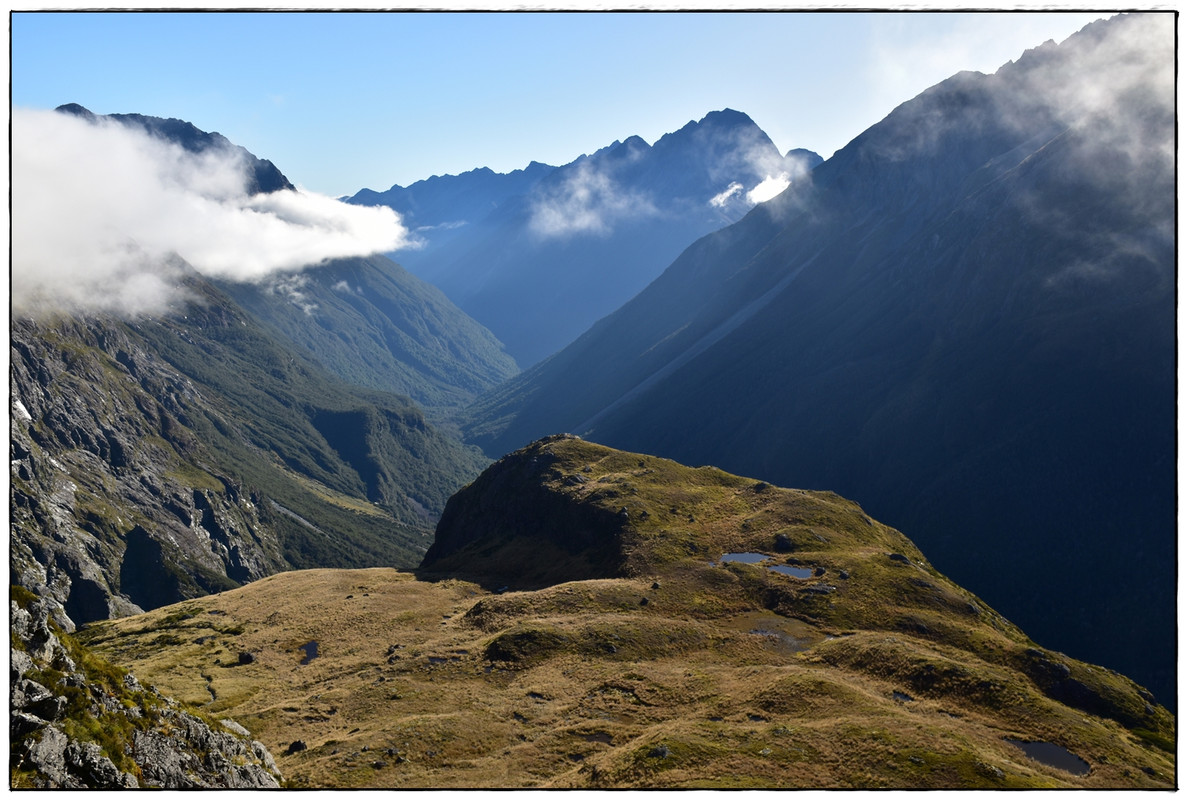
(106, 218)
(586, 201)
(292, 288)
(778, 172)
(768, 188)
(719, 200)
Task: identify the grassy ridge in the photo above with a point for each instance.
(669, 670)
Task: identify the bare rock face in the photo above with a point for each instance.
(79, 723)
(115, 507)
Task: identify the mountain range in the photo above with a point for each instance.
(965, 320)
(276, 499)
(540, 254)
(256, 427)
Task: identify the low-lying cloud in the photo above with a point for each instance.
(731, 191)
(587, 201)
(106, 218)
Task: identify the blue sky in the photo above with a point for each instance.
(342, 101)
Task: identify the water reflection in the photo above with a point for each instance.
(1053, 756)
(759, 558)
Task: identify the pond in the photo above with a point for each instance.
(597, 736)
(744, 558)
(310, 649)
(788, 569)
(1053, 756)
(759, 558)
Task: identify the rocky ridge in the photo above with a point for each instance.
(79, 723)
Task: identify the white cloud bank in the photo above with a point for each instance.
(587, 201)
(101, 211)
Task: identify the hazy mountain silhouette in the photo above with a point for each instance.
(539, 255)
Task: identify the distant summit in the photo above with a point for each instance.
(541, 254)
(263, 176)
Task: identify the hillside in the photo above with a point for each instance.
(539, 255)
(965, 320)
(242, 427)
(610, 641)
(373, 324)
(170, 457)
(366, 320)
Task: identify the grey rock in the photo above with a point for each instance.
(21, 663)
(23, 723)
(47, 754)
(36, 699)
(91, 768)
(265, 758)
(163, 764)
(234, 727)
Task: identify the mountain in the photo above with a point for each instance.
(554, 249)
(366, 320)
(170, 457)
(160, 458)
(603, 629)
(965, 319)
(262, 175)
(437, 208)
(373, 324)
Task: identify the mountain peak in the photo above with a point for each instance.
(263, 176)
(727, 117)
(76, 110)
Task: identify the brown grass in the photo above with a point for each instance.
(677, 673)
(732, 708)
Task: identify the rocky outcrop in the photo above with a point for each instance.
(79, 723)
(517, 526)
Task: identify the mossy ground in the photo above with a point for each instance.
(680, 672)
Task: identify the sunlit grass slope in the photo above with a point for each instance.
(628, 654)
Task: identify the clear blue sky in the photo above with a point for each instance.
(342, 101)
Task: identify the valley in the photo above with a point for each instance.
(291, 508)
